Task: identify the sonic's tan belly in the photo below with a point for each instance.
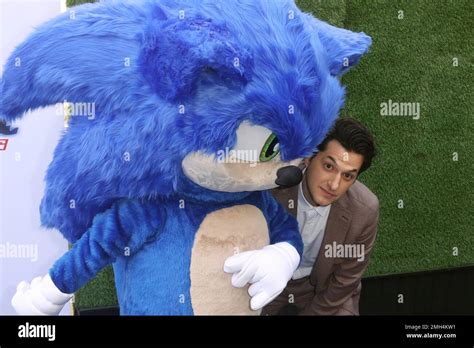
(223, 233)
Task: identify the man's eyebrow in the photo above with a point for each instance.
(332, 159)
(349, 171)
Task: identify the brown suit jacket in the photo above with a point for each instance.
(334, 285)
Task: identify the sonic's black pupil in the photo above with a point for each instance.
(271, 147)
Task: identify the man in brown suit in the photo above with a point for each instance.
(338, 219)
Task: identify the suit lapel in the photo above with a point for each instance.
(337, 226)
(338, 223)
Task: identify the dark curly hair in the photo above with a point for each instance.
(355, 137)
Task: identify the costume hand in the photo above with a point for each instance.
(41, 297)
(267, 269)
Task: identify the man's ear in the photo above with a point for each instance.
(307, 161)
(176, 52)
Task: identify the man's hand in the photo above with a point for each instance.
(268, 270)
(41, 297)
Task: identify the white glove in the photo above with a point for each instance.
(268, 270)
(42, 297)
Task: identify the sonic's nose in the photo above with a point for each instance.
(289, 176)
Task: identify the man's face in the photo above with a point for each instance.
(330, 173)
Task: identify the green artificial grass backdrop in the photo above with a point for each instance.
(422, 52)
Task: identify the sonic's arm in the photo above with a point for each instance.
(282, 226)
(118, 232)
(270, 268)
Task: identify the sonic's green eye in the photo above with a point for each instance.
(270, 149)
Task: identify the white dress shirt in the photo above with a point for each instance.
(312, 223)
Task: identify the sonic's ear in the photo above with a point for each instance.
(344, 47)
(80, 58)
(176, 52)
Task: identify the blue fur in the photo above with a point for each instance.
(160, 236)
(172, 62)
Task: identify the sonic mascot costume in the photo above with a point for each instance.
(201, 106)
